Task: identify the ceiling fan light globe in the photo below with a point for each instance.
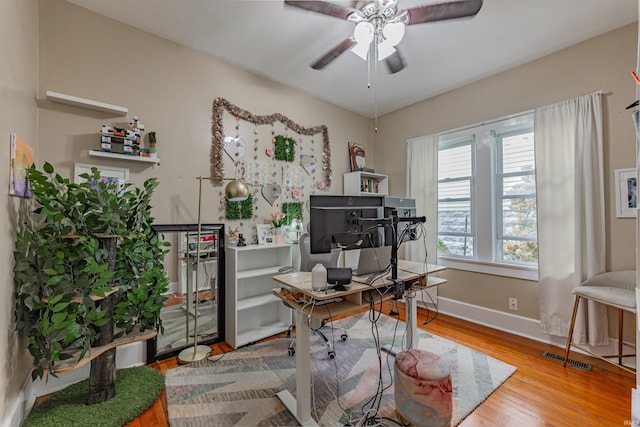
(385, 50)
(363, 35)
(361, 49)
(394, 32)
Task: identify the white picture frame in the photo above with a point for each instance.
(110, 174)
(264, 234)
(626, 193)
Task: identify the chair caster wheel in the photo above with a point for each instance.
(332, 354)
(292, 351)
(343, 337)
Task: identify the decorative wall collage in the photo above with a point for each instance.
(282, 162)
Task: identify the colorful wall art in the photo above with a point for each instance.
(22, 158)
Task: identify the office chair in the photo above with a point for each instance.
(307, 262)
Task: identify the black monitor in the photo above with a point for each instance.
(334, 222)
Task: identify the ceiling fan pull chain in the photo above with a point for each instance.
(375, 84)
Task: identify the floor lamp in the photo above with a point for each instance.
(235, 191)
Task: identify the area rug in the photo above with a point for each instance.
(239, 388)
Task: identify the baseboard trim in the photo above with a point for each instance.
(21, 406)
(127, 356)
(517, 325)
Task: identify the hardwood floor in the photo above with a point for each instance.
(540, 393)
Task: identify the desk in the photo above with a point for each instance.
(356, 297)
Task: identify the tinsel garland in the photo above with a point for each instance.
(217, 146)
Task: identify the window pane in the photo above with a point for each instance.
(454, 217)
(517, 185)
(517, 153)
(454, 162)
(455, 245)
(520, 251)
(454, 190)
(519, 217)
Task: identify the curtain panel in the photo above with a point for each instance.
(422, 185)
(571, 223)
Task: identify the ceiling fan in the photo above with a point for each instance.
(381, 25)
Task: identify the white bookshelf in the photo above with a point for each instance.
(252, 312)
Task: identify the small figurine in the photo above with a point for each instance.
(241, 241)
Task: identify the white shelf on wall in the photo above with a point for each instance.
(362, 183)
(96, 153)
(90, 104)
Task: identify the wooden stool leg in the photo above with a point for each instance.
(573, 322)
(620, 322)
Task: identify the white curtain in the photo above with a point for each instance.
(570, 203)
(422, 185)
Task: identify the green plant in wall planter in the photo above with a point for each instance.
(88, 270)
(239, 210)
(284, 148)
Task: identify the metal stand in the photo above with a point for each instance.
(197, 352)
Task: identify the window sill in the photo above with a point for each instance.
(517, 272)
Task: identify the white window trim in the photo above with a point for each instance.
(476, 265)
(494, 268)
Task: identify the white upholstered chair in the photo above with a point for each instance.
(614, 289)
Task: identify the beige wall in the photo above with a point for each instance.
(18, 114)
(603, 63)
(171, 89)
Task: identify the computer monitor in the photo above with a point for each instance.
(335, 222)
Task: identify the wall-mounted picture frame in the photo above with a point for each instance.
(626, 183)
(264, 234)
(108, 174)
(358, 157)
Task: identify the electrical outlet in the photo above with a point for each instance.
(513, 304)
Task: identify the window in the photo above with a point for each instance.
(487, 196)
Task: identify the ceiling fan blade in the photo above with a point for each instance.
(328, 57)
(395, 62)
(443, 11)
(323, 7)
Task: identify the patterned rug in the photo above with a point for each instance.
(239, 388)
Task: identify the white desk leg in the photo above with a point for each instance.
(300, 407)
(412, 323)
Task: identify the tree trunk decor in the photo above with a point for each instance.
(89, 274)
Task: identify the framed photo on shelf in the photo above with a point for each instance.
(626, 182)
(358, 158)
(264, 234)
(108, 174)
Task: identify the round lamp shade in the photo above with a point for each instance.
(236, 191)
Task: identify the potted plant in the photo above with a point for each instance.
(88, 270)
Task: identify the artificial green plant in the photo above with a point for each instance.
(62, 271)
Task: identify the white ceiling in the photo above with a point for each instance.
(279, 42)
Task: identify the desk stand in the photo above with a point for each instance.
(300, 406)
(412, 325)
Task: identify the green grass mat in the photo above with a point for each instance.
(136, 389)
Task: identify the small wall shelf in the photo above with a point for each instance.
(365, 184)
(90, 104)
(96, 153)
